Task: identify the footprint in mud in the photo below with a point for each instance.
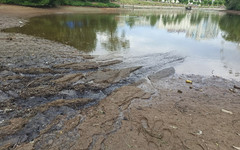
(156, 134)
(182, 107)
(195, 145)
(157, 126)
(167, 136)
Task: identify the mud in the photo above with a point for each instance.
(54, 97)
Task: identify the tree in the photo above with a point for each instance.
(209, 2)
(183, 1)
(233, 4)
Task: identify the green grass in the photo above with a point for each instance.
(52, 3)
(33, 3)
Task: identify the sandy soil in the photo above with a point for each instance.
(54, 97)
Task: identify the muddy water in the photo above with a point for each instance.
(209, 42)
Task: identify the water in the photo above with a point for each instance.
(209, 41)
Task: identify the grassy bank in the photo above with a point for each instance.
(53, 3)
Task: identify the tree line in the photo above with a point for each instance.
(233, 4)
(52, 3)
(230, 4)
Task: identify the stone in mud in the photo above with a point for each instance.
(162, 74)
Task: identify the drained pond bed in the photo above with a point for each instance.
(127, 94)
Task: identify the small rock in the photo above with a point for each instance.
(179, 91)
(162, 74)
(7, 110)
(232, 90)
(125, 118)
(236, 87)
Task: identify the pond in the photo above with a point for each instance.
(209, 41)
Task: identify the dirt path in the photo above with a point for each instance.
(54, 97)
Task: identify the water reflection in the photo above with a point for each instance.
(230, 24)
(210, 40)
(81, 31)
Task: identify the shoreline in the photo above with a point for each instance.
(55, 97)
(231, 11)
(127, 6)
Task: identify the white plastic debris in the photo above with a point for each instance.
(199, 132)
(226, 111)
(237, 148)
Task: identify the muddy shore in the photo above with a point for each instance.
(54, 97)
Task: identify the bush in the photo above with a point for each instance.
(35, 3)
(96, 4)
(52, 3)
(233, 4)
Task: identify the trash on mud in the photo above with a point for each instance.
(226, 111)
(174, 127)
(236, 87)
(238, 148)
(232, 90)
(199, 132)
(189, 81)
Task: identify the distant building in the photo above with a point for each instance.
(170, 1)
(177, 1)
